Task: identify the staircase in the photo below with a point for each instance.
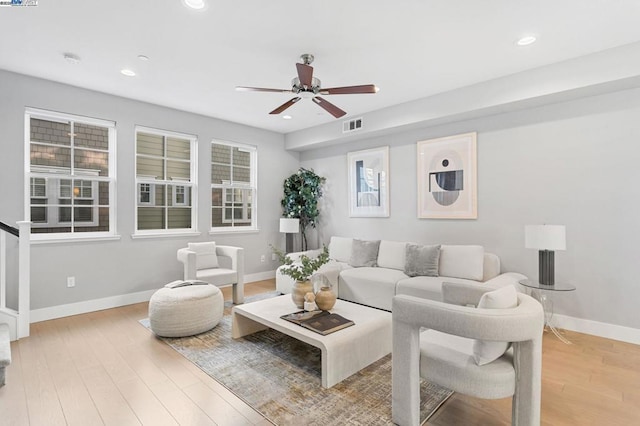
(17, 321)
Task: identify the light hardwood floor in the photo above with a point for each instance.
(104, 368)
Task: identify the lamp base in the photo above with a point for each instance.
(289, 246)
(546, 267)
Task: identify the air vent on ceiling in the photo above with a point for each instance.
(352, 125)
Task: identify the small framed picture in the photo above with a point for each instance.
(369, 182)
(447, 178)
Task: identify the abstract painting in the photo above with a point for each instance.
(447, 178)
(369, 182)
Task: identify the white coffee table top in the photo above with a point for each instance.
(269, 311)
(344, 352)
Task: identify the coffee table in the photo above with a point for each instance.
(344, 352)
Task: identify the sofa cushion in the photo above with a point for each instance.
(506, 297)
(206, 257)
(426, 287)
(369, 286)
(364, 253)
(340, 249)
(462, 262)
(422, 260)
(392, 255)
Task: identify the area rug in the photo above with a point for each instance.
(280, 377)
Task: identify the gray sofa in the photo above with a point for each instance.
(376, 285)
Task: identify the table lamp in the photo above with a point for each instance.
(289, 226)
(545, 238)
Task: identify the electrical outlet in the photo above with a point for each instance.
(273, 256)
(262, 258)
(71, 282)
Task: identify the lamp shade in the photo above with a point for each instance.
(289, 225)
(545, 237)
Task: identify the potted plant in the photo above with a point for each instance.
(301, 193)
(301, 272)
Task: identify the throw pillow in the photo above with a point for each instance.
(421, 260)
(364, 253)
(462, 262)
(206, 257)
(506, 297)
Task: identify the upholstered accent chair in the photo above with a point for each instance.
(215, 264)
(435, 340)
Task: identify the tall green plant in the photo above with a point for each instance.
(301, 193)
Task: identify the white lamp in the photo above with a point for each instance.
(545, 238)
(289, 226)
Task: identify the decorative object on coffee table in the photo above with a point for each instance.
(300, 289)
(301, 271)
(310, 302)
(325, 298)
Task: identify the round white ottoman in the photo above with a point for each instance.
(185, 311)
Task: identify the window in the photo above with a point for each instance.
(233, 187)
(165, 180)
(70, 175)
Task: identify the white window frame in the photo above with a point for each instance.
(229, 185)
(94, 206)
(52, 174)
(152, 194)
(167, 181)
(39, 197)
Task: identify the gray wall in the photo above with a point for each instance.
(110, 268)
(575, 163)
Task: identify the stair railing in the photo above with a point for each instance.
(23, 232)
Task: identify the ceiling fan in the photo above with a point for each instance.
(305, 85)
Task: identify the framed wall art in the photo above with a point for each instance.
(447, 178)
(369, 182)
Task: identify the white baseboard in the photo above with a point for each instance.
(77, 308)
(595, 328)
(259, 276)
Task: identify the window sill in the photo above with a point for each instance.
(234, 231)
(74, 239)
(166, 235)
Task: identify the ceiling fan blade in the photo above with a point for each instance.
(347, 90)
(305, 74)
(329, 107)
(261, 89)
(285, 105)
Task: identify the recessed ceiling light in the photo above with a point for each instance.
(287, 117)
(71, 58)
(128, 72)
(195, 4)
(143, 57)
(526, 40)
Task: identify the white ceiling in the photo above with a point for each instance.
(410, 49)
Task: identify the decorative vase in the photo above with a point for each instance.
(300, 288)
(325, 298)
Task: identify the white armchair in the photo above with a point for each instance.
(447, 360)
(217, 265)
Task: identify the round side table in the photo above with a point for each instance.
(538, 291)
